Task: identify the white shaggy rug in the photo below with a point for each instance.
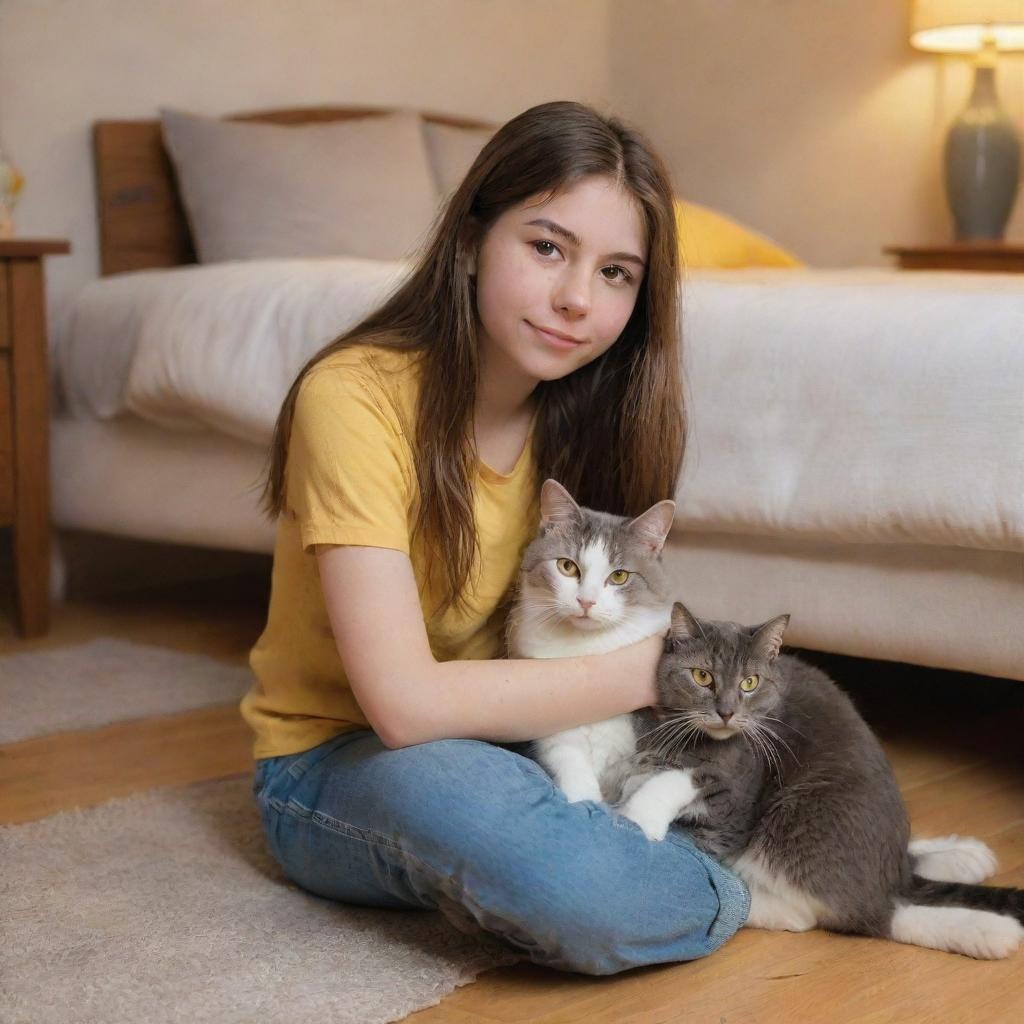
(165, 907)
(108, 680)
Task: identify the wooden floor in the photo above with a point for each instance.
(955, 741)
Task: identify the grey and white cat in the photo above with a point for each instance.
(591, 582)
(774, 772)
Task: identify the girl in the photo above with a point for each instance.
(536, 336)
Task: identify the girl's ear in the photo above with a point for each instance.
(471, 245)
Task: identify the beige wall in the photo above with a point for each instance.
(65, 63)
(811, 120)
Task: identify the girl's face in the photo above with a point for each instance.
(573, 265)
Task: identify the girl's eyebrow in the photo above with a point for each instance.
(570, 236)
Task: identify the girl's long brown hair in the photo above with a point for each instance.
(612, 432)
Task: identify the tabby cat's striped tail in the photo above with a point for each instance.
(978, 920)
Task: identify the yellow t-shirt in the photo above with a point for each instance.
(350, 479)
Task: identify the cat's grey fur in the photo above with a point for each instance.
(801, 802)
(794, 791)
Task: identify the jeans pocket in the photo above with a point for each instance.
(267, 771)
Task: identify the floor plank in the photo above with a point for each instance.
(41, 776)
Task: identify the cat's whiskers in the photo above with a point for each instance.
(788, 725)
(678, 730)
(673, 720)
(757, 743)
(771, 732)
(748, 738)
(672, 730)
(544, 612)
(772, 762)
(768, 735)
(689, 729)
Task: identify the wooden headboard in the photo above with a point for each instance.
(141, 221)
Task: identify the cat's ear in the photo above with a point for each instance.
(557, 507)
(684, 625)
(767, 638)
(651, 527)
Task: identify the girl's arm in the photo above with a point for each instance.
(409, 697)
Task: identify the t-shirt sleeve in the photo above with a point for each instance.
(348, 472)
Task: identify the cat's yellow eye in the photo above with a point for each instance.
(567, 567)
(749, 685)
(702, 678)
(619, 577)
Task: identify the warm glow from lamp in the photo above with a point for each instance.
(960, 26)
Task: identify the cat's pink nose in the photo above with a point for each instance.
(725, 716)
(587, 605)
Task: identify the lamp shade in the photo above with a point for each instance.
(960, 26)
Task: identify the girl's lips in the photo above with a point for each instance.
(554, 339)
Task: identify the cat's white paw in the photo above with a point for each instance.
(953, 859)
(576, 791)
(659, 801)
(652, 827)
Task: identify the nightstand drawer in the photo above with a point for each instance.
(6, 443)
(5, 310)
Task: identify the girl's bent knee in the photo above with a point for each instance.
(665, 918)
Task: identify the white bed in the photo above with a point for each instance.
(856, 453)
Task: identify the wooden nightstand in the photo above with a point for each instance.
(25, 424)
(985, 256)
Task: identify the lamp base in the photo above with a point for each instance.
(982, 164)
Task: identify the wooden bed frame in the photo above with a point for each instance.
(142, 224)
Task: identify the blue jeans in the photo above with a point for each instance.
(481, 833)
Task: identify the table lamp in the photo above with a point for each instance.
(982, 150)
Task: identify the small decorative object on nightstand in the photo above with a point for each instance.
(11, 182)
(985, 256)
(25, 424)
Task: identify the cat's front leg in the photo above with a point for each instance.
(659, 799)
(572, 772)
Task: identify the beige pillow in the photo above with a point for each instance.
(360, 187)
(452, 152)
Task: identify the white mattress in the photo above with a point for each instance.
(943, 606)
(212, 346)
(130, 478)
(862, 406)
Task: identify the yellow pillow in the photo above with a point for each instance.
(710, 239)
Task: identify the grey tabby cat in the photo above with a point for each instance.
(773, 771)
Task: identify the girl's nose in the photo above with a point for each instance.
(572, 296)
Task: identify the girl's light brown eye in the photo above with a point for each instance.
(701, 677)
(567, 567)
(749, 685)
(619, 577)
(623, 275)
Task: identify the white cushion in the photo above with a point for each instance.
(358, 187)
